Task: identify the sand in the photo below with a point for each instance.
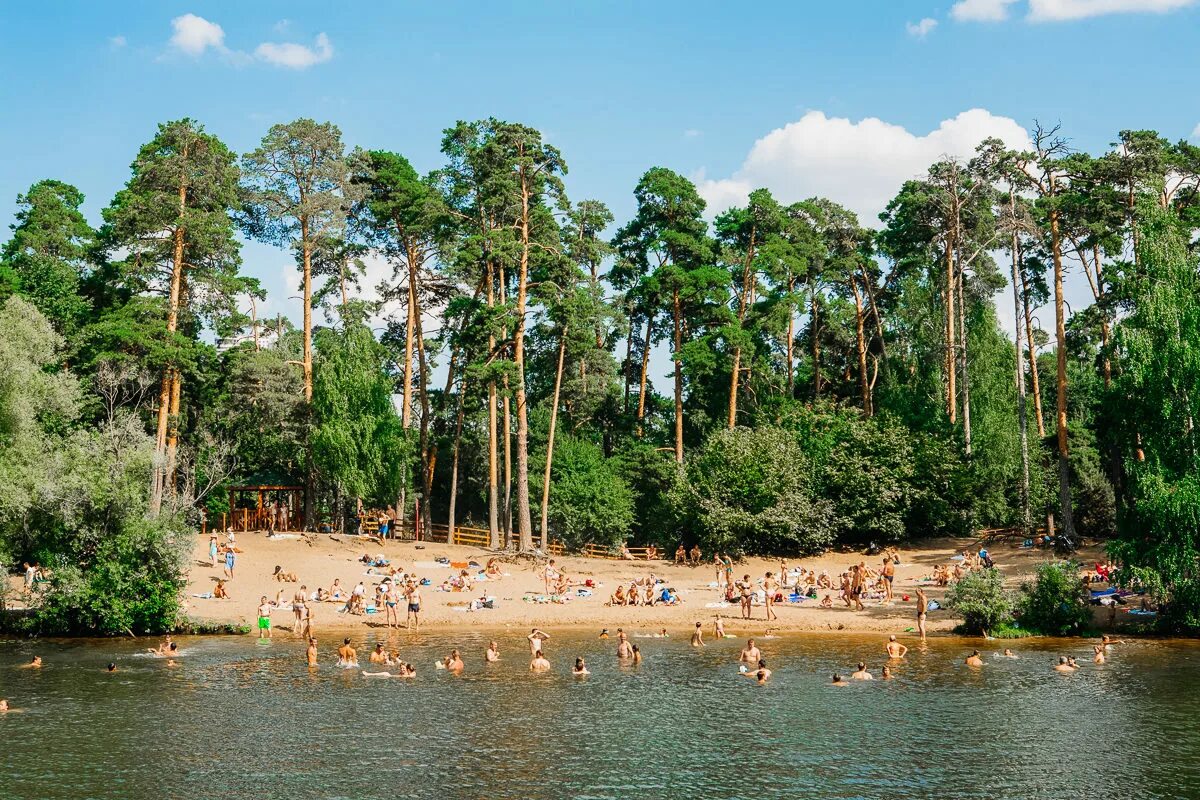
(317, 560)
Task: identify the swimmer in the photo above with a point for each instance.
(604, 633)
(698, 636)
(111, 667)
(662, 634)
(838, 680)
(637, 655)
(580, 667)
(36, 663)
(539, 663)
(1072, 662)
(536, 638)
(377, 674)
(1063, 665)
(974, 660)
(895, 650)
(861, 674)
(719, 628)
(1099, 654)
(347, 655)
(1108, 641)
(493, 653)
(887, 673)
(4, 706)
(750, 653)
(377, 655)
(312, 652)
(623, 648)
(454, 662)
(760, 675)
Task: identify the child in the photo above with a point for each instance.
(828, 601)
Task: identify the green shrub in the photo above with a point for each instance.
(981, 600)
(1055, 602)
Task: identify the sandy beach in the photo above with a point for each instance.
(318, 560)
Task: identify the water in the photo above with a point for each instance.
(243, 720)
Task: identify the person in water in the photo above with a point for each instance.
(861, 674)
(312, 651)
(1063, 665)
(493, 653)
(887, 673)
(604, 633)
(377, 655)
(838, 680)
(1009, 653)
(718, 627)
(974, 660)
(35, 663)
(580, 667)
(750, 653)
(922, 611)
(111, 667)
(760, 675)
(698, 636)
(1098, 656)
(636, 655)
(536, 637)
(623, 648)
(539, 663)
(347, 655)
(454, 662)
(895, 650)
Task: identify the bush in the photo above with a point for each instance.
(981, 600)
(589, 501)
(750, 491)
(1055, 602)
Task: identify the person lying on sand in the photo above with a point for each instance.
(284, 577)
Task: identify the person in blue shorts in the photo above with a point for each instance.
(229, 558)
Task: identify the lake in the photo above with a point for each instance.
(243, 720)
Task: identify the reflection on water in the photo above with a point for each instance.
(243, 720)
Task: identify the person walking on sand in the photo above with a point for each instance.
(922, 611)
(719, 566)
(750, 653)
(698, 636)
(769, 586)
(391, 599)
(264, 618)
(229, 560)
(857, 579)
(413, 595)
(212, 550)
(895, 650)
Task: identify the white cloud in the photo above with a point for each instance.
(295, 56)
(282, 25)
(981, 10)
(692, 133)
(116, 42)
(1196, 131)
(1057, 10)
(858, 164)
(193, 35)
(921, 29)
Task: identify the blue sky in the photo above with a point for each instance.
(618, 86)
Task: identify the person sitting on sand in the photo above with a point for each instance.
(694, 555)
(493, 569)
(335, 591)
(580, 667)
(838, 680)
(633, 595)
(347, 655)
(493, 653)
(974, 660)
(283, 577)
(618, 597)
(828, 601)
(698, 636)
(750, 653)
(895, 649)
(861, 674)
(760, 675)
(219, 591)
(1063, 665)
(680, 555)
(377, 655)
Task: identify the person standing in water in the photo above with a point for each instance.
(347, 655)
(536, 637)
(264, 618)
(298, 600)
(1099, 654)
(493, 653)
(922, 611)
(861, 674)
(895, 649)
(760, 675)
(718, 628)
(974, 660)
(312, 652)
(750, 653)
(413, 595)
(698, 636)
(539, 663)
(580, 667)
(623, 648)
(636, 655)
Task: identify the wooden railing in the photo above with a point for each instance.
(611, 553)
(244, 520)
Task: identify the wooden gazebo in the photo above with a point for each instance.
(264, 507)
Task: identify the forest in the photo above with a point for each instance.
(774, 378)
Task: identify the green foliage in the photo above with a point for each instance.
(1056, 602)
(750, 490)
(980, 598)
(589, 501)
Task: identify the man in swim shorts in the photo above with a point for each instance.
(536, 637)
(347, 655)
(264, 618)
(974, 660)
(312, 652)
(861, 674)
(750, 653)
(889, 577)
(922, 611)
(412, 594)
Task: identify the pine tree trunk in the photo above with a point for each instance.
(678, 314)
(1019, 377)
(962, 360)
(861, 344)
(172, 436)
(493, 477)
(641, 409)
(309, 484)
(748, 276)
(562, 351)
(1060, 333)
(791, 335)
(814, 334)
(524, 514)
(406, 405)
(1035, 384)
(951, 388)
(458, 426)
